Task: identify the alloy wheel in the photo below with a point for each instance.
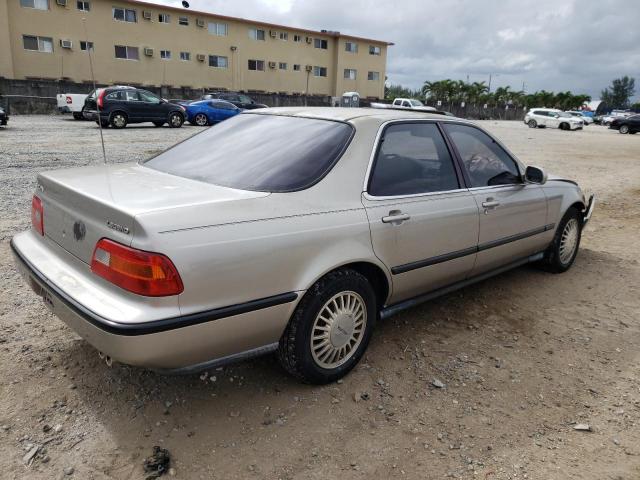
(569, 241)
(201, 120)
(338, 329)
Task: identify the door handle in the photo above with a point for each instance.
(396, 217)
(490, 203)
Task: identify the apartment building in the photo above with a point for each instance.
(134, 42)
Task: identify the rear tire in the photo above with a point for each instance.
(330, 328)
(176, 120)
(532, 123)
(119, 120)
(564, 248)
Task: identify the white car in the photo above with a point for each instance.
(71, 103)
(552, 118)
(411, 103)
(581, 115)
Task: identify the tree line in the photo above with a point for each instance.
(477, 93)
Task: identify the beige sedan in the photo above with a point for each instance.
(291, 230)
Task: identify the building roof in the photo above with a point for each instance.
(266, 24)
(346, 114)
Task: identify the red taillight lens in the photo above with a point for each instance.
(37, 215)
(101, 98)
(144, 273)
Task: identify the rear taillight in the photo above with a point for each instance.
(101, 98)
(37, 215)
(144, 273)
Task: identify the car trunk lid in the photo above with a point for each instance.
(83, 205)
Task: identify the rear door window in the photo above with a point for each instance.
(485, 162)
(267, 153)
(132, 96)
(412, 159)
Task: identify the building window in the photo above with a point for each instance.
(296, 67)
(320, 43)
(83, 6)
(297, 38)
(186, 56)
(164, 18)
(256, 65)
(282, 65)
(125, 15)
(183, 20)
(38, 44)
(37, 4)
(373, 50)
(373, 76)
(351, 47)
(86, 45)
(165, 54)
(319, 71)
(256, 34)
(127, 53)
(284, 36)
(218, 61)
(350, 73)
(220, 29)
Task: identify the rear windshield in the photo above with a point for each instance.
(267, 153)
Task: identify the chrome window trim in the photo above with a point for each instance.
(372, 157)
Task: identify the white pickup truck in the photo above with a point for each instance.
(71, 103)
(408, 103)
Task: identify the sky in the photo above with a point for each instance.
(577, 45)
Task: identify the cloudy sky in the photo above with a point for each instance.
(578, 45)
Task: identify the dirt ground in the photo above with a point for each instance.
(523, 357)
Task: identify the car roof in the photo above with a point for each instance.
(347, 114)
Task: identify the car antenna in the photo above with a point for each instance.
(93, 79)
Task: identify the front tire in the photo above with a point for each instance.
(532, 123)
(564, 248)
(624, 129)
(176, 120)
(330, 328)
(201, 120)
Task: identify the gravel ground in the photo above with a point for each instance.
(522, 358)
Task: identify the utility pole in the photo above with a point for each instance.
(489, 83)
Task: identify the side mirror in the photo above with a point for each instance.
(535, 175)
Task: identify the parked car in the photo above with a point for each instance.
(587, 119)
(552, 118)
(208, 112)
(121, 105)
(411, 103)
(238, 99)
(4, 117)
(71, 103)
(607, 119)
(626, 124)
(291, 230)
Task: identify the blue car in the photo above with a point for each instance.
(208, 112)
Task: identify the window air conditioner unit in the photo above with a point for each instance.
(272, 64)
(200, 57)
(309, 39)
(62, 3)
(199, 22)
(308, 68)
(148, 51)
(66, 43)
(273, 33)
(146, 14)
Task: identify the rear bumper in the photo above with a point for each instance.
(173, 343)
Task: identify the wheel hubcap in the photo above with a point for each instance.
(201, 119)
(175, 120)
(118, 120)
(624, 129)
(569, 241)
(338, 329)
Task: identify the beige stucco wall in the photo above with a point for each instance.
(6, 58)
(69, 23)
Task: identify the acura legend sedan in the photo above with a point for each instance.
(291, 230)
